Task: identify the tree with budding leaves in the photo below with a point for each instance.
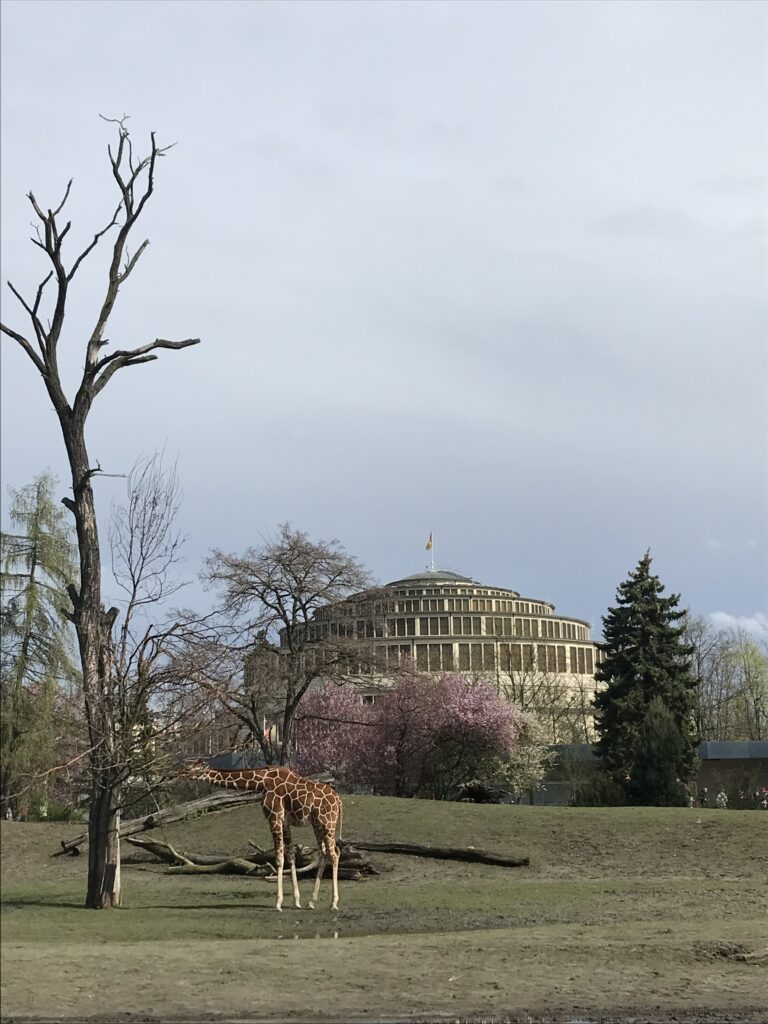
(135, 180)
(36, 655)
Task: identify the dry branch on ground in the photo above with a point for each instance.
(468, 853)
(351, 864)
(260, 863)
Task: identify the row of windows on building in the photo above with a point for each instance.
(487, 592)
(470, 604)
(480, 657)
(457, 657)
(454, 625)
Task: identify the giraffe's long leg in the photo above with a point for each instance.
(277, 835)
(288, 842)
(319, 835)
(335, 861)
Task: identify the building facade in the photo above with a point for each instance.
(440, 621)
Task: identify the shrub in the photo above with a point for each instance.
(475, 792)
(658, 761)
(600, 791)
(41, 808)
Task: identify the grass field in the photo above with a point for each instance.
(657, 911)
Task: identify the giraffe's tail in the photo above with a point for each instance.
(341, 822)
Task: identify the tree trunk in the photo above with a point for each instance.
(289, 722)
(94, 635)
(104, 883)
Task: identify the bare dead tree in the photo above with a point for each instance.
(284, 605)
(134, 177)
(561, 702)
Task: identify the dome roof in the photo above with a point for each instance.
(432, 576)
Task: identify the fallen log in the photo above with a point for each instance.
(233, 866)
(352, 866)
(202, 864)
(167, 853)
(349, 857)
(177, 812)
(439, 853)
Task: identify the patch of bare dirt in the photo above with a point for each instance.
(733, 951)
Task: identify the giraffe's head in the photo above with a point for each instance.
(193, 768)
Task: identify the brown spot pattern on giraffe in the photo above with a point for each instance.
(290, 799)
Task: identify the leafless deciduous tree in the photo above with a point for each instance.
(134, 178)
(731, 669)
(284, 607)
(144, 697)
(152, 703)
(562, 704)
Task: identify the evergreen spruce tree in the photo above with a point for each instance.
(655, 776)
(646, 657)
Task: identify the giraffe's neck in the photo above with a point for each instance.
(252, 780)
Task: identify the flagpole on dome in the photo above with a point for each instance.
(430, 548)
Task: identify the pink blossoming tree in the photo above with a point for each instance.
(334, 728)
(426, 736)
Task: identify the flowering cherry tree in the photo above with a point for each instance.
(333, 728)
(525, 769)
(426, 736)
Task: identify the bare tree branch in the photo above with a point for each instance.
(272, 598)
(92, 245)
(60, 207)
(26, 346)
(110, 364)
(113, 703)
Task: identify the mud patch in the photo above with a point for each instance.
(736, 951)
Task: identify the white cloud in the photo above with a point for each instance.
(755, 625)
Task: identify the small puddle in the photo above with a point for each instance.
(316, 935)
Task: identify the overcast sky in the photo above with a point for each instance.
(495, 270)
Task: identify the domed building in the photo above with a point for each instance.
(445, 622)
(440, 621)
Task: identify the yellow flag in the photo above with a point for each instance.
(429, 542)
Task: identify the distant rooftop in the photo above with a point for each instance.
(726, 750)
(431, 576)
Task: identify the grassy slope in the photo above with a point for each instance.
(670, 885)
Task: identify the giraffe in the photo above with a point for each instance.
(289, 799)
